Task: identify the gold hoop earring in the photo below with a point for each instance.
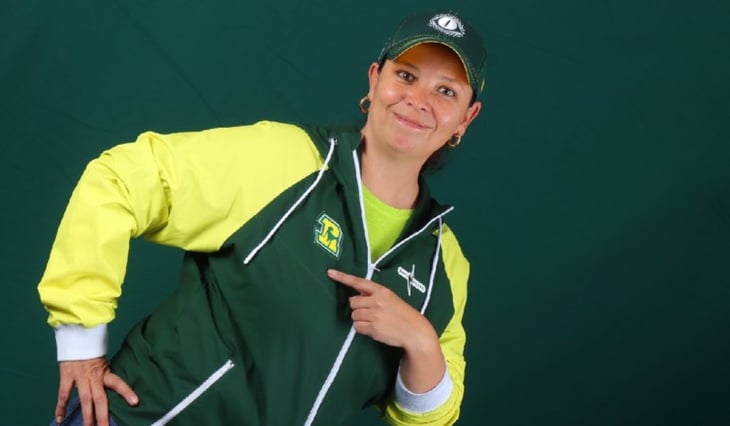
(454, 141)
(363, 107)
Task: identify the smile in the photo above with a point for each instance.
(410, 123)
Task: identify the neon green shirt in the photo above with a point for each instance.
(385, 223)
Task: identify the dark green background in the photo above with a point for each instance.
(592, 194)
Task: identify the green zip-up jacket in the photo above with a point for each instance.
(256, 333)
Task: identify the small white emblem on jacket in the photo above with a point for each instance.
(411, 280)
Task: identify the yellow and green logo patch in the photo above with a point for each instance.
(328, 234)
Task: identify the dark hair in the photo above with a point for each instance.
(436, 161)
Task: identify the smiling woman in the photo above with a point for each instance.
(308, 291)
(418, 100)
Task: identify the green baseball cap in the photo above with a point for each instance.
(447, 28)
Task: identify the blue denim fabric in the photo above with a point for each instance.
(74, 417)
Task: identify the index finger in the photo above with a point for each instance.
(360, 284)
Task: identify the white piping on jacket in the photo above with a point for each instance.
(293, 207)
(432, 278)
(351, 334)
(413, 235)
(195, 394)
(371, 269)
(358, 173)
(330, 377)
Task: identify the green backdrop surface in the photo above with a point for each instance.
(592, 194)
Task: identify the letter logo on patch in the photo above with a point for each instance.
(328, 234)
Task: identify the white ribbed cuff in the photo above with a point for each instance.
(423, 402)
(75, 342)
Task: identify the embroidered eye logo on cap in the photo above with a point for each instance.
(447, 24)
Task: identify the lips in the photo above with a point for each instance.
(410, 122)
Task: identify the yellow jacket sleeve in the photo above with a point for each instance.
(188, 190)
(452, 342)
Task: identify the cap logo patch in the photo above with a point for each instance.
(447, 24)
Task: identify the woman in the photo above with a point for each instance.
(319, 275)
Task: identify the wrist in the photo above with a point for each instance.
(422, 402)
(422, 343)
(76, 342)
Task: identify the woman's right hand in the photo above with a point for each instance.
(90, 377)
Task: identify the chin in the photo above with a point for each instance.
(408, 145)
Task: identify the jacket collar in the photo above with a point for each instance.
(349, 139)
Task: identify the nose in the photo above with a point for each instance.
(417, 97)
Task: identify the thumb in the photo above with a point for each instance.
(118, 385)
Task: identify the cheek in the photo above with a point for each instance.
(388, 91)
(386, 95)
(452, 117)
(448, 120)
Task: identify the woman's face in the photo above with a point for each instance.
(418, 101)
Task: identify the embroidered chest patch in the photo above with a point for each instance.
(328, 234)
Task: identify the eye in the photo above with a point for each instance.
(406, 76)
(447, 91)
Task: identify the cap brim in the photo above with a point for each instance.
(402, 48)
